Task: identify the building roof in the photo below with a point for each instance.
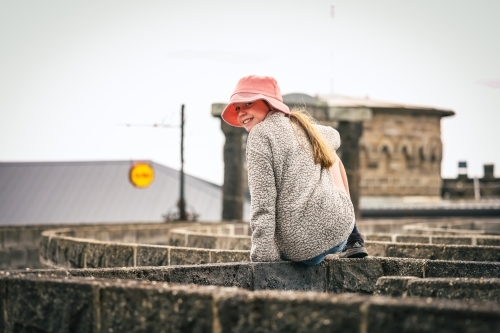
(96, 192)
(341, 101)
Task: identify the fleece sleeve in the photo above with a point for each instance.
(331, 135)
(261, 182)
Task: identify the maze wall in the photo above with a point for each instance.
(422, 276)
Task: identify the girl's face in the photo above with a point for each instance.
(251, 113)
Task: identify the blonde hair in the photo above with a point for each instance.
(322, 153)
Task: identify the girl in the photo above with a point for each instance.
(301, 210)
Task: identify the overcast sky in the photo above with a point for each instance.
(70, 71)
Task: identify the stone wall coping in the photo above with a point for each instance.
(106, 305)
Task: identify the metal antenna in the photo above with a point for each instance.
(182, 202)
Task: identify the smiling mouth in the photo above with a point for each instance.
(246, 121)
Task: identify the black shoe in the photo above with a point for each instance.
(355, 247)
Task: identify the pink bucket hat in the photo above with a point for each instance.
(252, 88)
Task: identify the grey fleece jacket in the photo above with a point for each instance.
(297, 212)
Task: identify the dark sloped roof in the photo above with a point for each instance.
(95, 192)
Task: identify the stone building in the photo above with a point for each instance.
(464, 187)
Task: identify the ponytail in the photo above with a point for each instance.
(322, 153)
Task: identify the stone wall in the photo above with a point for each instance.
(401, 154)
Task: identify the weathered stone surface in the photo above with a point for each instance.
(288, 312)
(225, 275)
(51, 253)
(361, 275)
(412, 239)
(234, 243)
(376, 249)
(394, 286)
(3, 302)
(379, 238)
(5, 259)
(187, 256)
(11, 237)
(33, 258)
(397, 315)
(403, 267)
(144, 308)
(70, 253)
(43, 249)
(471, 253)
(152, 255)
(141, 274)
(177, 239)
(452, 240)
(18, 258)
(289, 276)
(201, 241)
(488, 241)
(421, 251)
(354, 275)
(220, 256)
(45, 305)
(466, 269)
(109, 255)
(456, 288)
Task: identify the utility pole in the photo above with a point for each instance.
(182, 202)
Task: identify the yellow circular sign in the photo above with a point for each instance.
(141, 175)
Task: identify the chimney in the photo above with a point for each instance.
(489, 172)
(462, 169)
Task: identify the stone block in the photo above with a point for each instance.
(354, 275)
(376, 249)
(221, 256)
(4, 259)
(152, 255)
(421, 251)
(378, 238)
(131, 307)
(51, 252)
(451, 240)
(29, 237)
(234, 243)
(403, 267)
(488, 241)
(33, 258)
(119, 255)
(94, 254)
(394, 286)
(141, 274)
(11, 238)
(109, 255)
(457, 288)
(152, 236)
(466, 269)
(224, 275)
(43, 248)
(201, 241)
(269, 312)
(187, 256)
(70, 253)
(177, 239)
(397, 315)
(3, 302)
(471, 253)
(48, 305)
(287, 275)
(412, 239)
(18, 258)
